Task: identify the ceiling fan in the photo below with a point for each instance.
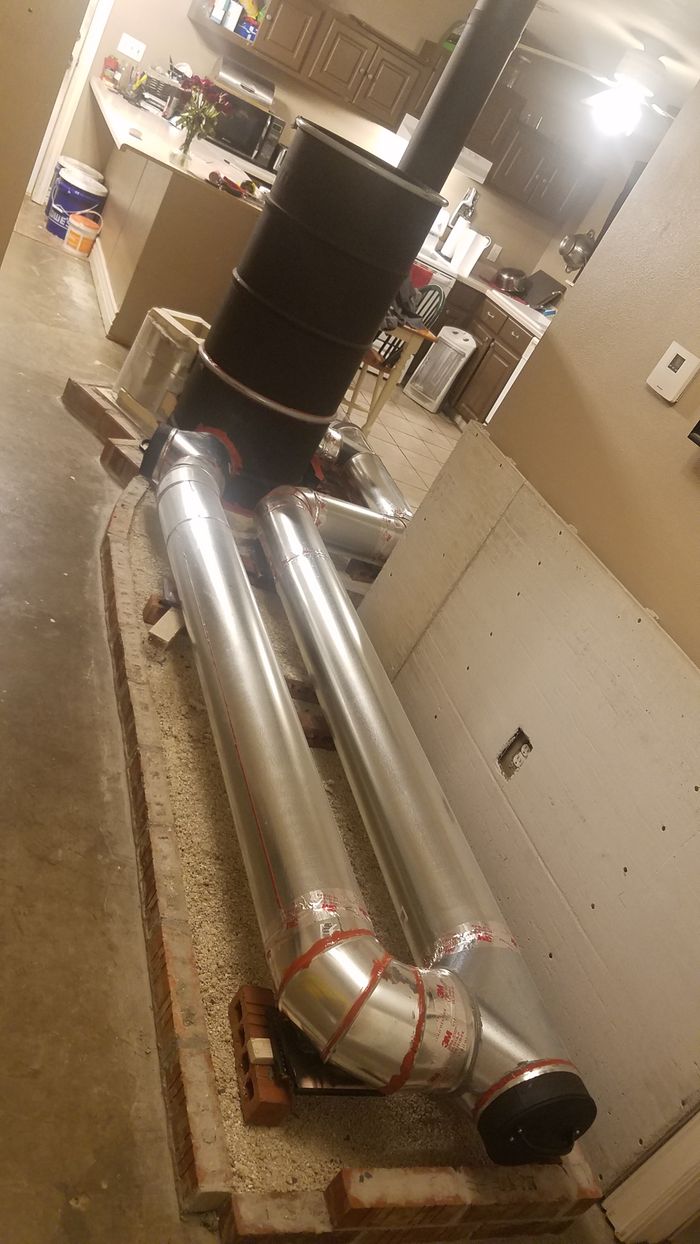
(638, 82)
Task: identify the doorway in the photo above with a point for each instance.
(74, 81)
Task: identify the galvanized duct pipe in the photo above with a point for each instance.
(388, 1023)
(528, 1099)
(364, 470)
(353, 529)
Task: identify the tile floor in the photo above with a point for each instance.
(413, 444)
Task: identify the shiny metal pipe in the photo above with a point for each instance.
(342, 441)
(388, 1023)
(445, 904)
(351, 528)
(347, 446)
(368, 476)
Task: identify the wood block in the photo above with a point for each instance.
(166, 631)
(121, 458)
(94, 406)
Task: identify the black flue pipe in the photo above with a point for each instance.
(492, 32)
(336, 238)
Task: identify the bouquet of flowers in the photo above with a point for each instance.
(199, 116)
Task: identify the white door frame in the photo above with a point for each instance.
(74, 82)
(663, 1195)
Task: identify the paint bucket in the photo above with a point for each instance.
(68, 162)
(74, 192)
(82, 233)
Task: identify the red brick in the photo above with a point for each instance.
(411, 1196)
(527, 1231)
(154, 609)
(297, 1217)
(265, 1101)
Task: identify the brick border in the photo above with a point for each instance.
(202, 1168)
(380, 1206)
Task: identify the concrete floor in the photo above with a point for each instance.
(83, 1145)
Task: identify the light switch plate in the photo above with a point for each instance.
(132, 48)
(672, 375)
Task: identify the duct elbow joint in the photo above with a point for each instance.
(390, 1024)
(170, 447)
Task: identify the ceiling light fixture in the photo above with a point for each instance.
(618, 111)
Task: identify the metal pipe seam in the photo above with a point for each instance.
(390, 1024)
(350, 528)
(526, 1096)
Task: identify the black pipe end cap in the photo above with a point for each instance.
(153, 448)
(537, 1120)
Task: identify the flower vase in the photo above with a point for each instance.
(182, 157)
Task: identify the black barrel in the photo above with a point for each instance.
(336, 238)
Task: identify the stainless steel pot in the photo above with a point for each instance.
(512, 281)
(576, 249)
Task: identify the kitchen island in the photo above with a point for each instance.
(170, 238)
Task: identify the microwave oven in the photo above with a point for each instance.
(249, 131)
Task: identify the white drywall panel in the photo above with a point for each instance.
(536, 634)
(444, 536)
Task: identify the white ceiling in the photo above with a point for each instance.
(596, 34)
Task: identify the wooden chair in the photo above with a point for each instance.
(391, 354)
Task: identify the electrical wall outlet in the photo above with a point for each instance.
(132, 48)
(495, 253)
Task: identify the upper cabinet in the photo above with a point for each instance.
(334, 52)
(344, 58)
(358, 66)
(340, 57)
(495, 127)
(544, 176)
(387, 86)
(288, 30)
(433, 61)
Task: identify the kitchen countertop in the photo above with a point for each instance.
(525, 316)
(159, 140)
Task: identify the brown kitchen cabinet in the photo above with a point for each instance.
(433, 61)
(288, 30)
(542, 175)
(497, 123)
(387, 86)
(353, 63)
(500, 342)
(340, 57)
(488, 382)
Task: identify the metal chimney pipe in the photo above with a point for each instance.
(493, 30)
(527, 1097)
(390, 1024)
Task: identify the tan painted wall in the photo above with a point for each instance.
(35, 45)
(611, 457)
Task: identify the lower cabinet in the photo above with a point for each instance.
(488, 382)
(500, 343)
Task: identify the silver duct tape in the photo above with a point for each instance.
(328, 911)
(465, 936)
(310, 921)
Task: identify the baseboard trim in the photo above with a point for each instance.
(663, 1195)
(103, 286)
